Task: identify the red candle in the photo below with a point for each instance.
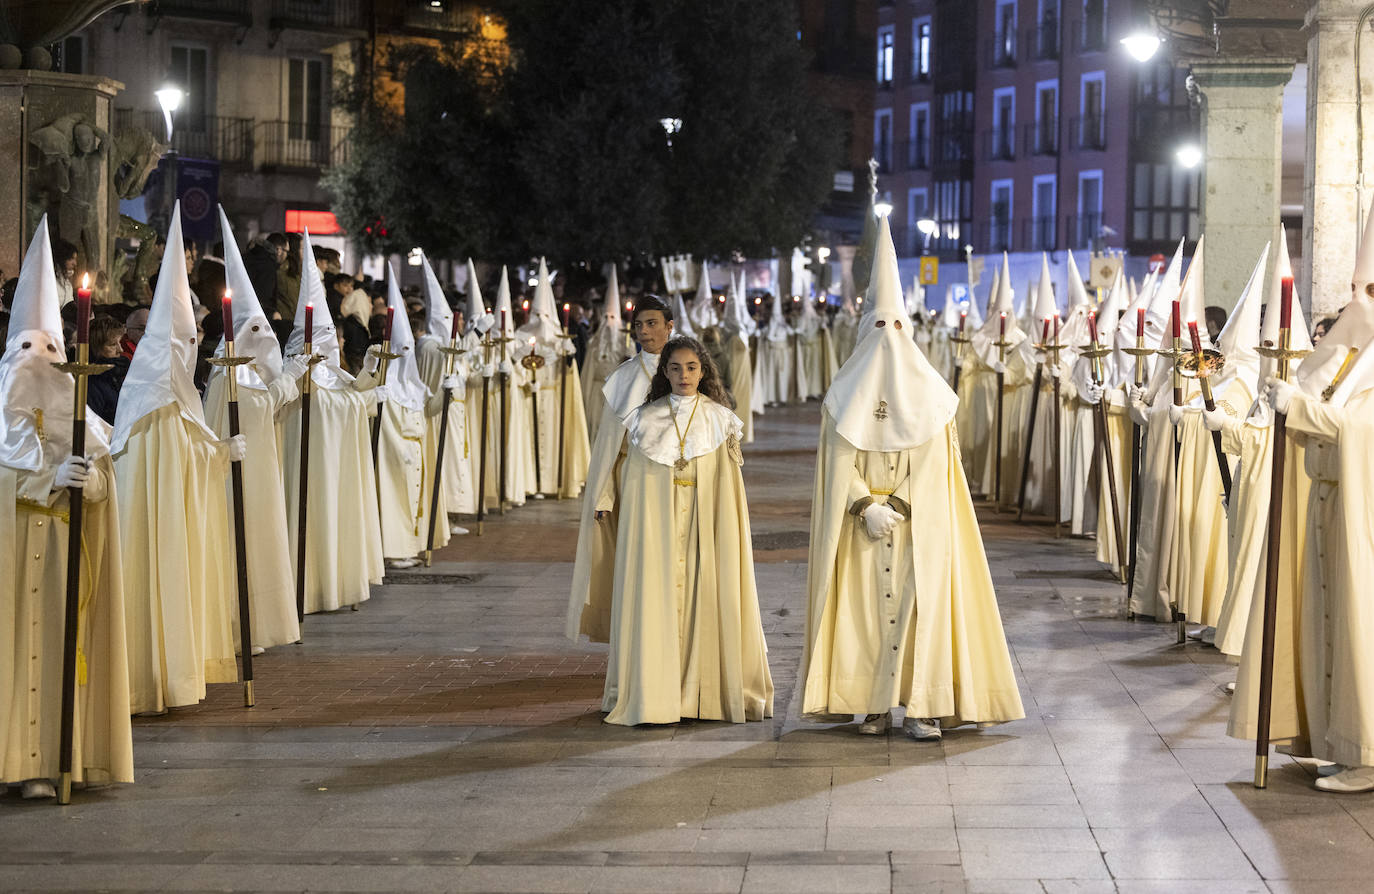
(390, 318)
(525, 305)
(1056, 328)
(309, 323)
(963, 321)
(503, 322)
(453, 336)
(1177, 321)
(227, 307)
(566, 308)
(1092, 326)
(1286, 303)
(1140, 322)
(1045, 331)
(1197, 339)
(1002, 327)
(83, 310)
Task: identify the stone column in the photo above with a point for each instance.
(1242, 144)
(1335, 191)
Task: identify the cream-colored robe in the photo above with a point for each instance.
(33, 579)
(343, 533)
(738, 374)
(1040, 480)
(178, 555)
(912, 619)
(774, 381)
(1158, 507)
(1198, 575)
(405, 478)
(815, 363)
(686, 633)
(605, 352)
(589, 603)
(271, 581)
(844, 326)
(519, 439)
(576, 447)
(1119, 440)
(459, 478)
(979, 411)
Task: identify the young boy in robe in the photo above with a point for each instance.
(685, 630)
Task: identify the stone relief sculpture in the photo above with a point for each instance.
(68, 171)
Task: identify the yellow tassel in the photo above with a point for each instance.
(80, 666)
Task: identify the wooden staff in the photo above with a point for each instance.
(79, 370)
(534, 362)
(302, 485)
(959, 340)
(1095, 353)
(563, 363)
(502, 340)
(229, 364)
(1056, 462)
(1282, 355)
(1139, 352)
(1001, 344)
(486, 344)
(1030, 424)
(384, 358)
(1174, 355)
(1203, 365)
(451, 351)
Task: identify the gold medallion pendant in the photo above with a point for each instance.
(681, 463)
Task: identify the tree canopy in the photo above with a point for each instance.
(558, 148)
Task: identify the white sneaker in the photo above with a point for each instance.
(538, 496)
(1196, 633)
(402, 563)
(1351, 781)
(33, 789)
(1325, 769)
(922, 729)
(1231, 688)
(876, 724)
(258, 650)
(457, 530)
(1209, 636)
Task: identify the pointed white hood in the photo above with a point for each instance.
(703, 312)
(1104, 319)
(438, 315)
(164, 366)
(1192, 297)
(403, 382)
(478, 320)
(887, 396)
(607, 343)
(808, 321)
(1045, 305)
(28, 379)
(1363, 277)
(1241, 335)
(1073, 329)
(542, 324)
(253, 334)
(777, 329)
(1003, 301)
(682, 318)
(610, 309)
(324, 338)
(736, 319)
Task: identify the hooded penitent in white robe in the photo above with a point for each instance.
(263, 390)
(475, 364)
(607, 348)
(459, 493)
(909, 618)
(1039, 441)
(508, 399)
(557, 388)
(815, 361)
(343, 551)
(33, 557)
(686, 636)
(406, 449)
(178, 552)
(589, 605)
(737, 370)
(774, 381)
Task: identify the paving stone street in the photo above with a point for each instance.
(446, 736)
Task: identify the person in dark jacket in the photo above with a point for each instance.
(102, 389)
(263, 258)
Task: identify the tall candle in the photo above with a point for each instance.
(1002, 327)
(1193, 334)
(390, 319)
(1140, 322)
(963, 321)
(1056, 328)
(83, 310)
(453, 336)
(227, 307)
(1092, 327)
(1286, 303)
(1045, 331)
(1177, 321)
(309, 323)
(503, 322)
(566, 309)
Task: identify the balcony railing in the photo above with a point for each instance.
(912, 155)
(1092, 35)
(427, 16)
(1083, 229)
(228, 141)
(1040, 138)
(953, 147)
(292, 144)
(1090, 132)
(323, 15)
(1040, 233)
(997, 235)
(999, 144)
(1044, 40)
(1000, 51)
(239, 12)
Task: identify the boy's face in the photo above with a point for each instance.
(651, 330)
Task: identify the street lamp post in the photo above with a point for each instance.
(169, 98)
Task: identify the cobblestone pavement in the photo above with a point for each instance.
(446, 737)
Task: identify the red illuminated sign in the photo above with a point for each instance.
(319, 223)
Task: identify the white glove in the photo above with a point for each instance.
(238, 448)
(1279, 394)
(455, 383)
(1175, 414)
(371, 362)
(880, 519)
(295, 366)
(382, 393)
(1215, 420)
(998, 366)
(1093, 393)
(483, 323)
(1140, 412)
(506, 368)
(485, 370)
(1137, 395)
(73, 472)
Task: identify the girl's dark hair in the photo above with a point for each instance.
(710, 384)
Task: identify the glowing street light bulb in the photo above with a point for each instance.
(1142, 45)
(926, 225)
(883, 207)
(1189, 155)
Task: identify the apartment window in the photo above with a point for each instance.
(1094, 25)
(1003, 123)
(304, 99)
(1045, 137)
(953, 209)
(999, 227)
(73, 55)
(882, 139)
(1043, 201)
(1164, 202)
(919, 157)
(1047, 30)
(1004, 45)
(954, 138)
(190, 70)
(920, 49)
(1089, 221)
(885, 51)
(1092, 111)
(917, 209)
